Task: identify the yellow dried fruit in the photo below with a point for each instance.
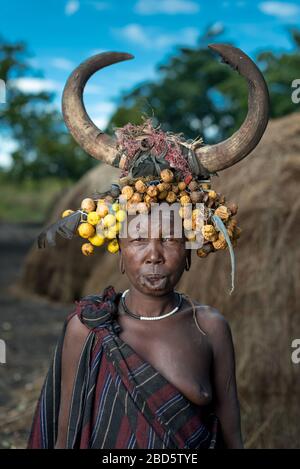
(237, 232)
(233, 208)
(209, 233)
(93, 218)
(206, 186)
(86, 230)
(143, 207)
(162, 195)
(111, 232)
(97, 240)
(197, 218)
(66, 213)
(185, 199)
(220, 244)
(109, 220)
(152, 191)
(190, 235)
(115, 207)
(167, 175)
(136, 198)
(87, 249)
(140, 186)
(205, 250)
(167, 186)
(88, 205)
(175, 188)
(196, 213)
(148, 200)
(113, 246)
(131, 208)
(188, 224)
(102, 209)
(196, 196)
(201, 253)
(193, 186)
(162, 186)
(127, 192)
(171, 197)
(212, 195)
(181, 185)
(232, 223)
(121, 215)
(222, 212)
(185, 211)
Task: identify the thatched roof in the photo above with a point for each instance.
(263, 310)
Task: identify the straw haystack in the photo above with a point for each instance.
(264, 310)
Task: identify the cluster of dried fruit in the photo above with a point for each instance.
(101, 221)
(102, 218)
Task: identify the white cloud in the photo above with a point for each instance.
(279, 9)
(62, 64)
(100, 113)
(93, 89)
(35, 85)
(133, 33)
(96, 51)
(72, 6)
(169, 7)
(151, 38)
(217, 27)
(7, 146)
(100, 121)
(106, 107)
(99, 5)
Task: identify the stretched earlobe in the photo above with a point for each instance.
(121, 265)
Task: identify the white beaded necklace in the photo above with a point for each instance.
(150, 318)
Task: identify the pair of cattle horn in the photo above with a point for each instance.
(212, 157)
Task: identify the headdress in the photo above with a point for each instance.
(159, 166)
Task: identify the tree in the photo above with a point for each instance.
(44, 147)
(199, 96)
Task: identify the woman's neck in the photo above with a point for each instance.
(147, 305)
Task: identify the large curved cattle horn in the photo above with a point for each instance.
(243, 141)
(95, 142)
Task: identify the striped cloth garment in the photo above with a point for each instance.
(119, 400)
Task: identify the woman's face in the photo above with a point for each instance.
(153, 253)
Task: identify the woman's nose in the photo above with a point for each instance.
(154, 253)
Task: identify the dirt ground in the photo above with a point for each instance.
(30, 327)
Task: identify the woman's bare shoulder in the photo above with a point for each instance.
(211, 320)
(76, 330)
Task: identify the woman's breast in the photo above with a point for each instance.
(181, 356)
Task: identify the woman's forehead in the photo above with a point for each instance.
(155, 224)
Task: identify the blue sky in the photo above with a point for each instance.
(62, 33)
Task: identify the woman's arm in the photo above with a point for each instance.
(75, 336)
(224, 380)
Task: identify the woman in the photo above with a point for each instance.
(191, 350)
(149, 367)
